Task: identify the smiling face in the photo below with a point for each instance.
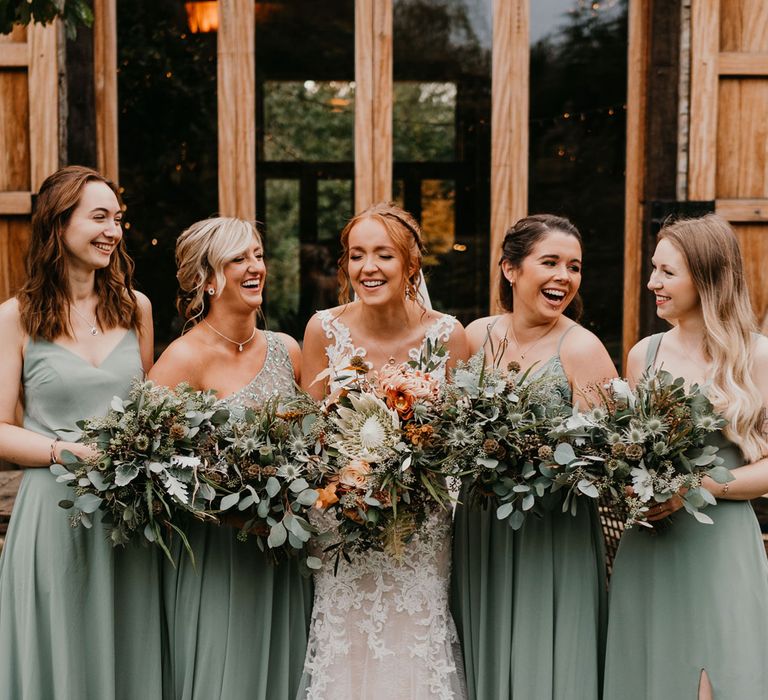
(94, 229)
(375, 270)
(548, 278)
(244, 276)
(672, 284)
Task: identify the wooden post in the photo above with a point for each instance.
(237, 109)
(637, 90)
(373, 102)
(105, 86)
(510, 79)
(702, 151)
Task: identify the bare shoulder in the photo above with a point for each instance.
(760, 353)
(145, 305)
(478, 331)
(639, 351)
(181, 361)
(10, 316)
(581, 344)
(291, 345)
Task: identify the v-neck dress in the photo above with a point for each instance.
(530, 604)
(78, 619)
(693, 597)
(237, 623)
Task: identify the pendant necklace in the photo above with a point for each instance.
(520, 350)
(92, 327)
(234, 342)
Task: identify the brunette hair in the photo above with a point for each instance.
(713, 258)
(518, 243)
(405, 233)
(202, 251)
(45, 296)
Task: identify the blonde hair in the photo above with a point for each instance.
(713, 257)
(405, 233)
(202, 251)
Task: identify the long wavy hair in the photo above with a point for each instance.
(713, 257)
(405, 233)
(202, 251)
(517, 245)
(45, 297)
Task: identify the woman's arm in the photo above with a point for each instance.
(146, 332)
(751, 480)
(314, 360)
(457, 346)
(18, 445)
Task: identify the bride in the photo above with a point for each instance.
(381, 628)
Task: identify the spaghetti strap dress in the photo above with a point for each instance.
(692, 598)
(78, 619)
(237, 623)
(530, 605)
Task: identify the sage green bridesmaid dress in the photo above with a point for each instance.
(691, 598)
(78, 619)
(238, 624)
(530, 605)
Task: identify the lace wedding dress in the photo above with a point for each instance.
(381, 628)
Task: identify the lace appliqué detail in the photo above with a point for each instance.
(381, 628)
(342, 350)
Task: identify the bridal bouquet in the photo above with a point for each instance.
(148, 468)
(257, 475)
(652, 439)
(378, 478)
(495, 426)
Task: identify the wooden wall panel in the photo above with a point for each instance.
(105, 86)
(743, 25)
(742, 139)
(14, 131)
(14, 237)
(754, 248)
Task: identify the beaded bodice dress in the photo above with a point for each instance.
(381, 627)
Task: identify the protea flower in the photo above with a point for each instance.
(367, 431)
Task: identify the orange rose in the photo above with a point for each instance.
(402, 386)
(355, 474)
(326, 496)
(401, 402)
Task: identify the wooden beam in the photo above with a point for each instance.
(15, 203)
(634, 186)
(14, 55)
(105, 87)
(43, 103)
(383, 96)
(510, 79)
(702, 149)
(736, 63)
(237, 109)
(753, 210)
(373, 102)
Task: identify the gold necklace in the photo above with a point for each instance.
(234, 342)
(520, 350)
(92, 326)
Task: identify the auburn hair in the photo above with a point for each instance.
(45, 297)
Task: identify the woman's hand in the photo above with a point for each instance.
(85, 453)
(659, 511)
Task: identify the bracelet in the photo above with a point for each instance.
(54, 460)
(724, 490)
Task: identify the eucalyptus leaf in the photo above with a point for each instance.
(505, 510)
(314, 563)
(297, 485)
(588, 488)
(277, 536)
(564, 453)
(97, 479)
(88, 502)
(308, 497)
(230, 500)
(272, 487)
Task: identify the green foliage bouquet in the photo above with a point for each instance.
(257, 475)
(643, 447)
(495, 426)
(380, 479)
(148, 468)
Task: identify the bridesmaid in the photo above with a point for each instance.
(237, 623)
(689, 607)
(77, 618)
(529, 604)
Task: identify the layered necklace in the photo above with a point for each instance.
(234, 342)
